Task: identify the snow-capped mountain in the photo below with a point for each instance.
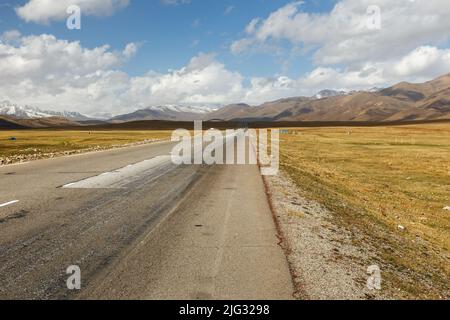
(188, 109)
(101, 116)
(375, 89)
(167, 112)
(30, 112)
(335, 93)
(330, 93)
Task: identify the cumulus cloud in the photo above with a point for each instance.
(45, 69)
(202, 81)
(44, 11)
(40, 57)
(425, 61)
(346, 52)
(61, 75)
(343, 36)
(58, 74)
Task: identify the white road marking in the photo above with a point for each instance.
(68, 185)
(123, 176)
(8, 203)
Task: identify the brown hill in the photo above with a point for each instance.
(232, 111)
(362, 106)
(7, 122)
(52, 122)
(267, 111)
(414, 92)
(402, 102)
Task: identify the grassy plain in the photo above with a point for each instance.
(389, 185)
(32, 142)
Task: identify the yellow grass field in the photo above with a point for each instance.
(41, 142)
(390, 186)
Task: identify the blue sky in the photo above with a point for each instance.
(213, 52)
(172, 34)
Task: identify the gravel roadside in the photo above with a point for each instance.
(325, 263)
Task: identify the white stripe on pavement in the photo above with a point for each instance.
(123, 176)
(8, 203)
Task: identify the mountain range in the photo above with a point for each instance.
(401, 102)
(29, 112)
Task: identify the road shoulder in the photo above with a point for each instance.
(322, 256)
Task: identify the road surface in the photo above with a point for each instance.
(139, 227)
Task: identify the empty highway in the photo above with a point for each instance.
(139, 227)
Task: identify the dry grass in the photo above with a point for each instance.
(375, 180)
(53, 141)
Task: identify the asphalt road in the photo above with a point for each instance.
(139, 227)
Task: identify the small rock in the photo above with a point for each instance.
(402, 228)
(447, 208)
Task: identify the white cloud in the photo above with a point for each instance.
(346, 53)
(37, 57)
(45, 11)
(202, 81)
(425, 61)
(10, 35)
(342, 35)
(251, 27)
(57, 73)
(61, 75)
(130, 50)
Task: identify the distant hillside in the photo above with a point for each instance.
(230, 112)
(402, 102)
(165, 113)
(10, 123)
(362, 106)
(7, 123)
(50, 122)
